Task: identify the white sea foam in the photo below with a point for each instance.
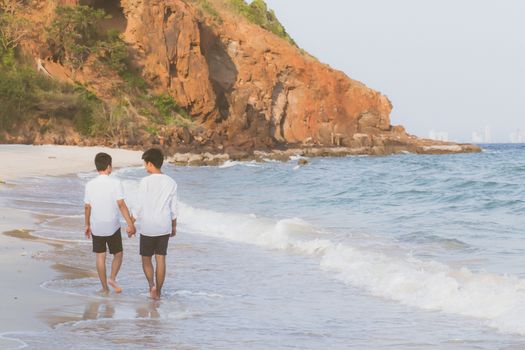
(269, 160)
(8, 336)
(297, 157)
(232, 163)
(190, 293)
(86, 175)
(60, 240)
(128, 170)
(430, 285)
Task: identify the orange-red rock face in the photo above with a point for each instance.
(167, 40)
(250, 86)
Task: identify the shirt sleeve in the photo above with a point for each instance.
(173, 204)
(87, 200)
(137, 208)
(119, 191)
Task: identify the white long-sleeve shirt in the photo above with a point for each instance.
(156, 205)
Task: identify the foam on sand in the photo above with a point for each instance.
(429, 285)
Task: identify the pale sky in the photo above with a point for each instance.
(452, 66)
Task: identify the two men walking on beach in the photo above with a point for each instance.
(156, 211)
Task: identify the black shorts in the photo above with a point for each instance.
(114, 242)
(150, 246)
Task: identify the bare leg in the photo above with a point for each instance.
(160, 273)
(101, 269)
(147, 266)
(115, 267)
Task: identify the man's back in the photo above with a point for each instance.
(102, 193)
(157, 204)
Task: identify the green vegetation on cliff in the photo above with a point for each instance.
(74, 36)
(12, 31)
(75, 39)
(25, 94)
(257, 12)
(171, 111)
(76, 33)
(208, 7)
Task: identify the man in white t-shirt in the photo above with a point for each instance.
(156, 212)
(104, 199)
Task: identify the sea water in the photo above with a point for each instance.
(400, 252)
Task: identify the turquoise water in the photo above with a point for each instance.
(403, 252)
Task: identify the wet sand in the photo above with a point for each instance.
(21, 295)
(22, 299)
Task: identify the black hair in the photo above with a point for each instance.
(102, 161)
(154, 156)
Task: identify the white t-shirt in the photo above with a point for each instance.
(102, 193)
(156, 205)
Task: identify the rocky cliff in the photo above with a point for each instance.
(245, 88)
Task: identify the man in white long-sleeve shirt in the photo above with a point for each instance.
(156, 212)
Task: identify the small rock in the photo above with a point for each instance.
(302, 161)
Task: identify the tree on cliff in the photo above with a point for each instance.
(10, 6)
(74, 33)
(12, 31)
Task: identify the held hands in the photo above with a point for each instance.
(131, 230)
(87, 232)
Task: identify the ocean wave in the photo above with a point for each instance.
(423, 238)
(503, 203)
(429, 285)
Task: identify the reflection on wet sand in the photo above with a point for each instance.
(101, 309)
(98, 309)
(148, 310)
(93, 310)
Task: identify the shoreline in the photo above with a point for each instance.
(284, 155)
(23, 300)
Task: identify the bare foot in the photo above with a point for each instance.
(114, 285)
(103, 292)
(153, 293)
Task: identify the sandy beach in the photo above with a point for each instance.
(21, 297)
(29, 160)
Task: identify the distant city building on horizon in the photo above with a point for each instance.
(517, 137)
(485, 137)
(488, 135)
(477, 137)
(438, 135)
